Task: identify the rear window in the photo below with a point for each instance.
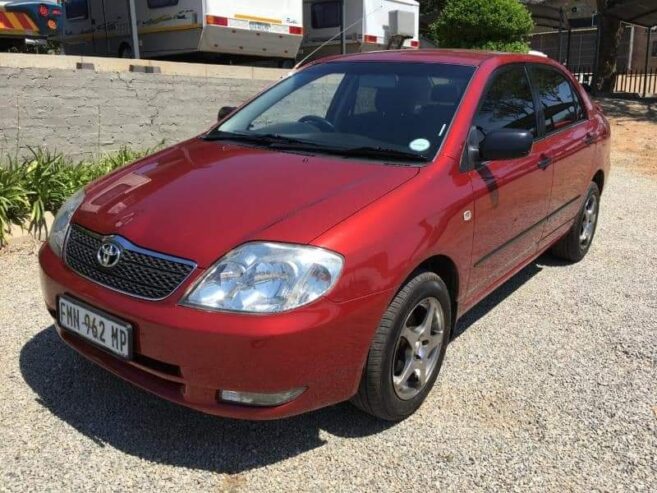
(76, 9)
(326, 14)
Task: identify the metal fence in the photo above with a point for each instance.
(636, 82)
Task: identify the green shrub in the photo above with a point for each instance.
(13, 201)
(42, 182)
(499, 25)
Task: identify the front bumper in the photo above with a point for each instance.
(187, 355)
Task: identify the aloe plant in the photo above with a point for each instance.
(31, 187)
(13, 201)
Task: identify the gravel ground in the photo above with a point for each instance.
(550, 384)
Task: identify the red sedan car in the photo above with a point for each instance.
(321, 242)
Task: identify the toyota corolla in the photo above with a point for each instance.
(320, 243)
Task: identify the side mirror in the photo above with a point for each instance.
(224, 112)
(505, 143)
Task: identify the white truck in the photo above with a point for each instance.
(370, 25)
(229, 29)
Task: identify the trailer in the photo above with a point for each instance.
(25, 23)
(229, 30)
(369, 25)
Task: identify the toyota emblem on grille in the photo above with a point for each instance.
(108, 254)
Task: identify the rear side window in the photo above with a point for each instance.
(508, 103)
(156, 4)
(326, 14)
(559, 102)
(76, 9)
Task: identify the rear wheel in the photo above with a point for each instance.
(407, 351)
(125, 51)
(575, 245)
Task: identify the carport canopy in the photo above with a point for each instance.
(640, 12)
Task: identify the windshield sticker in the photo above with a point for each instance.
(419, 145)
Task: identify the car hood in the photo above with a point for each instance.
(200, 199)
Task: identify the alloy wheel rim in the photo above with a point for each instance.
(418, 348)
(589, 219)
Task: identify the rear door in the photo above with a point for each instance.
(79, 28)
(568, 144)
(511, 196)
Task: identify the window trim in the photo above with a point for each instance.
(543, 134)
(465, 165)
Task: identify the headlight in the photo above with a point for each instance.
(62, 222)
(267, 278)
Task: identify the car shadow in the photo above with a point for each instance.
(481, 309)
(112, 412)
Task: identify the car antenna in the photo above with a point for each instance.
(299, 64)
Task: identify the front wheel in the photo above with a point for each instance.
(407, 351)
(575, 245)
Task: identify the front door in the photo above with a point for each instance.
(511, 197)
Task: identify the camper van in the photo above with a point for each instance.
(370, 25)
(234, 29)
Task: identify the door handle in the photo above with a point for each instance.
(589, 139)
(544, 161)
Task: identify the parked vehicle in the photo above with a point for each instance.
(321, 242)
(258, 29)
(370, 25)
(25, 23)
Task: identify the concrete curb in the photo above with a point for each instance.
(101, 64)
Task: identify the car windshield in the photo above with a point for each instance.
(383, 111)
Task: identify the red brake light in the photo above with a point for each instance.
(296, 30)
(370, 39)
(43, 10)
(415, 44)
(216, 21)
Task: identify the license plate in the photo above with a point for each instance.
(259, 26)
(97, 327)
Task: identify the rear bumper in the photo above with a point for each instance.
(221, 39)
(187, 355)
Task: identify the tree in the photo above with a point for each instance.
(501, 25)
(611, 31)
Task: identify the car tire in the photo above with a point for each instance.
(574, 246)
(125, 51)
(393, 385)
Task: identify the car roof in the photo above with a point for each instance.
(454, 56)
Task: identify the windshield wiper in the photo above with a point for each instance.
(383, 153)
(277, 141)
(267, 139)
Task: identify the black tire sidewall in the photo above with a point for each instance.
(431, 287)
(583, 250)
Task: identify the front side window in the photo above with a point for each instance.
(508, 103)
(325, 15)
(386, 111)
(76, 9)
(559, 103)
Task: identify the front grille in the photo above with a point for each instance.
(139, 272)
